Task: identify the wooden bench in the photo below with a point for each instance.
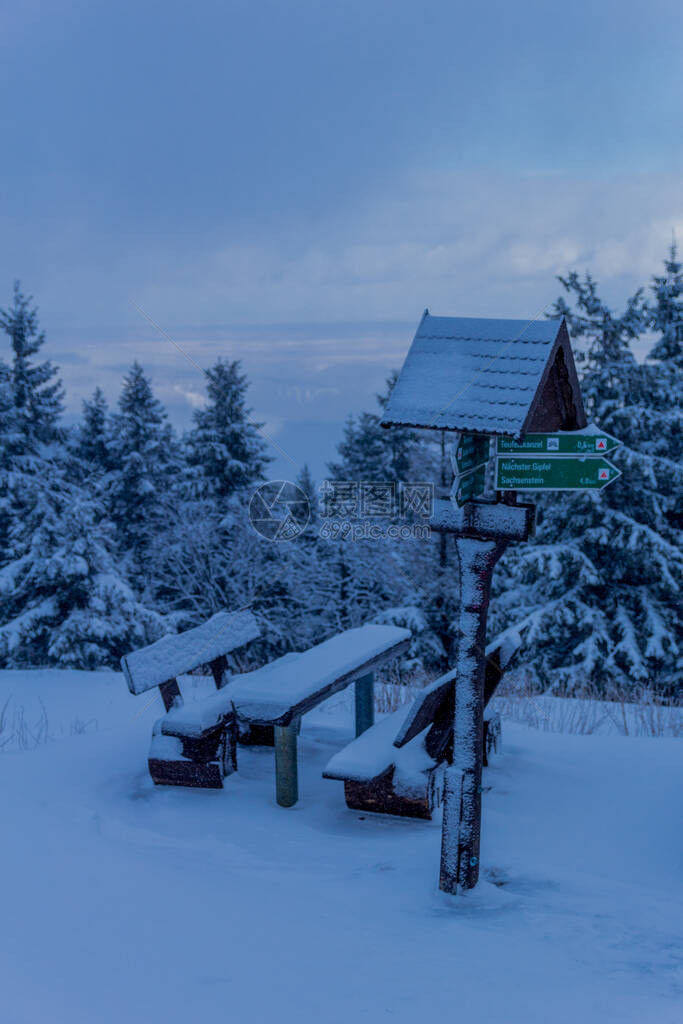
(278, 694)
(190, 760)
(397, 766)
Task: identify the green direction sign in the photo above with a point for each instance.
(571, 443)
(472, 450)
(541, 474)
(469, 486)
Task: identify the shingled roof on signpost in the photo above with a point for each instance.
(509, 377)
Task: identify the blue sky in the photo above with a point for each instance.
(291, 183)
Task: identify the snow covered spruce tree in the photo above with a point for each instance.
(210, 557)
(62, 599)
(667, 311)
(30, 407)
(90, 440)
(37, 392)
(368, 452)
(666, 362)
(139, 486)
(10, 451)
(600, 586)
(225, 449)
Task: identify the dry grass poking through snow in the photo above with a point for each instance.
(18, 731)
(636, 712)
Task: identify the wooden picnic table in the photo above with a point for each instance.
(279, 693)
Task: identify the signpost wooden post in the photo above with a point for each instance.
(515, 382)
(482, 532)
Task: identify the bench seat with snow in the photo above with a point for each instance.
(396, 767)
(201, 759)
(278, 694)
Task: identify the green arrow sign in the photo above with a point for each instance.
(471, 450)
(571, 443)
(469, 486)
(541, 474)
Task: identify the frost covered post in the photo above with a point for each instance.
(482, 532)
(462, 780)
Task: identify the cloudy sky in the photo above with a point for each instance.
(291, 182)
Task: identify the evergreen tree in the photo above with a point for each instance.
(665, 372)
(10, 449)
(369, 453)
(91, 440)
(37, 392)
(144, 459)
(667, 312)
(211, 557)
(224, 449)
(599, 585)
(63, 600)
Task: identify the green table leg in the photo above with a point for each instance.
(286, 771)
(365, 703)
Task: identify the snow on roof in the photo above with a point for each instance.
(181, 652)
(465, 373)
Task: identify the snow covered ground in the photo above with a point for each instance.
(122, 903)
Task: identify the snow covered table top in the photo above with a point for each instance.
(179, 653)
(286, 688)
(293, 684)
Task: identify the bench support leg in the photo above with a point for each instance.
(169, 691)
(286, 769)
(365, 703)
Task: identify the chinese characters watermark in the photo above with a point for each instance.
(346, 510)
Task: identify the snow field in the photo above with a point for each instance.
(123, 902)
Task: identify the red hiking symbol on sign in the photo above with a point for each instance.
(603, 474)
(601, 444)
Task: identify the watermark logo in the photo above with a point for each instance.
(347, 510)
(279, 510)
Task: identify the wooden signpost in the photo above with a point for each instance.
(482, 532)
(512, 382)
